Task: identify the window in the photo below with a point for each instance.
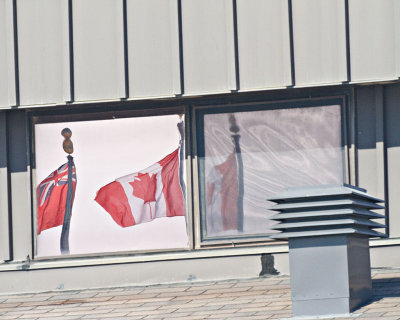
(248, 153)
(129, 181)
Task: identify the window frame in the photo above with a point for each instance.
(198, 126)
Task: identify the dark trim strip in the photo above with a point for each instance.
(347, 23)
(236, 43)
(16, 55)
(71, 51)
(180, 32)
(291, 42)
(126, 57)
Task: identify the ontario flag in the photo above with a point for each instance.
(52, 198)
(143, 196)
(222, 193)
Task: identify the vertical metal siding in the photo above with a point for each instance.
(7, 71)
(372, 39)
(397, 35)
(153, 47)
(43, 51)
(208, 46)
(99, 71)
(20, 185)
(392, 135)
(264, 47)
(319, 41)
(366, 139)
(4, 223)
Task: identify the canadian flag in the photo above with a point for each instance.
(222, 188)
(140, 197)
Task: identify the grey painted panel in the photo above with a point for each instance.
(372, 39)
(20, 186)
(7, 71)
(43, 51)
(208, 46)
(397, 35)
(366, 139)
(4, 227)
(319, 39)
(392, 134)
(98, 49)
(153, 46)
(128, 274)
(264, 46)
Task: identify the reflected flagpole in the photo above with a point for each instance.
(68, 148)
(181, 129)
(234, 128)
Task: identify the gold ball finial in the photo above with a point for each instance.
(68, 146)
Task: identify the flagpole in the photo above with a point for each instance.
(234, 128)
(68, 148)
(181, 128)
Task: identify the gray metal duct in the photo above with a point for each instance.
(328, 228)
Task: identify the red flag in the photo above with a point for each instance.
(222, 196)
(52, 196)
(145, 195)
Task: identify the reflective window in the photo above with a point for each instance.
(247, 156)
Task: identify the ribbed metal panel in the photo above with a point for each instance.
(7, 66)
(208, 46)
(153, 46)
(98, 49)
(264, 46)
(43, 51)
(372, 39)
(319, 37)
(397, 35)
(4, 221)
(326, 210)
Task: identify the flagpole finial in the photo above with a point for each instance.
(68, 146)
(234, 128)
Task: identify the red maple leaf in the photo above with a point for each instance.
(144, 187)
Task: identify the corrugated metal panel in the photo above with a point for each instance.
(372, 40)
(319, 37)
(7, 71)
(43, 51)
(392, 135)
(264, 45)
(208, 46)
(98, 49)
(20, 185)
(4, 221)
(153, 46)
(397, 35)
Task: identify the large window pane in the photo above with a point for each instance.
(247, 156)
(128, 179)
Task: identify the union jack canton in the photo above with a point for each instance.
(51, 198)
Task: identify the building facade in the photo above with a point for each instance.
(273, 94)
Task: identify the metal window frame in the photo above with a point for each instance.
(198, 129)
(103, 113)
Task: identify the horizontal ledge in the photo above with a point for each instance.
(98, 261)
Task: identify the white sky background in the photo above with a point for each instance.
(103, 151)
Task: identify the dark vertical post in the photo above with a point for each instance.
(64, 241)
(291, 41)
(68, 148)
(126, 57)
(181, 128)
(234, 128)
(16, 55)
(71, 51)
